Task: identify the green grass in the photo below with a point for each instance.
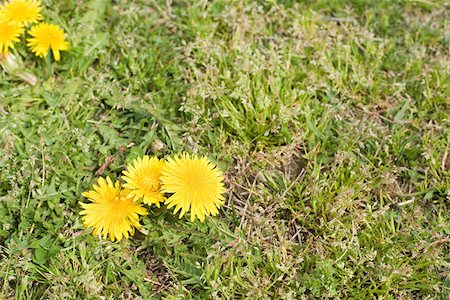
(330, 120)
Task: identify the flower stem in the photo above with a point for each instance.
(123, 246)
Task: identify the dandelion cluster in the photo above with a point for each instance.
(16, 15)
(190, 184)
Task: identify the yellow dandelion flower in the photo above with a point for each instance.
(196, 185)
(9, 34)
(45, 37)
(111, 212)
(142, 177)
(22, 12)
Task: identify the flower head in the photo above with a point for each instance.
(45, 37)
(9, 34)
(196, 185)
(111, 212)
(21, 12)
(142, 177)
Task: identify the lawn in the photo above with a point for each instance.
(329, 119)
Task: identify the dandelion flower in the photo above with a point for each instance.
(21, 12)
(196, 186)
(142, 177)
(9, 34)
(45, 37)
(111, 212)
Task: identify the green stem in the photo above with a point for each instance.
(48, 62)
(124, 248)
